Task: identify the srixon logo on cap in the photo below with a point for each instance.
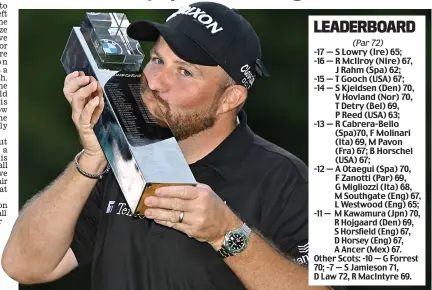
(199, 15)
(249, 78)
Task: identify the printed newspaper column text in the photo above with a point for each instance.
(367, 150)
(3, 112)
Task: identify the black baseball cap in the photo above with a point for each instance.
(211, 34)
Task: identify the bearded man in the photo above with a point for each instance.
(245, 225)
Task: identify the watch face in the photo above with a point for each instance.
(236, 242)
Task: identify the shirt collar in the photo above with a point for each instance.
(233, 148)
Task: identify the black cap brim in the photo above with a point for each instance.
(183, 46)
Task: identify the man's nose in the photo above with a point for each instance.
(160, 80)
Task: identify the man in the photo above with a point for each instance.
(243, 226)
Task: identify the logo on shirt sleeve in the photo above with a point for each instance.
(300, 253)
(304, 249)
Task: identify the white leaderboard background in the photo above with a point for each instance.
(367, 151)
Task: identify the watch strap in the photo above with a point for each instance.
(223, 252)
(246, 230)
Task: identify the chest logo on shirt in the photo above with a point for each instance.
(120, 208)
(110, 206)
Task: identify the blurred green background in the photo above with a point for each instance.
(277, 107)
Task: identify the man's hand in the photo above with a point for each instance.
(84, 94)
(206, 217)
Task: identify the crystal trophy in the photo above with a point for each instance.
(142, 154)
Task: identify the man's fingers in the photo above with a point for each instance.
(98, 110)
(70, 76)
(182, 192)
(79, 98)
(168, 203)
(74, 85)
(89, 109)
(172, 216)
(73, 75)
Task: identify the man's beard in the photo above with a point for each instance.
(186, 124)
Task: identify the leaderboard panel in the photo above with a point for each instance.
(367, 211)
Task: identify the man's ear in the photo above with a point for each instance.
(233, 97)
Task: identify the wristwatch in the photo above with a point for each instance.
(235, 241)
